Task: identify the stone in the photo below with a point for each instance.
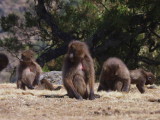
(53, 76)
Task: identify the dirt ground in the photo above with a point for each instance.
(17, 104)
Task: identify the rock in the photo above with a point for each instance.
(152, 87)
(53, 76)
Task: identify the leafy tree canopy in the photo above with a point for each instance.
(128, 29)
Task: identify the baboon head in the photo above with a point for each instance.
(77, 51)
(150, 78)
(27, 56)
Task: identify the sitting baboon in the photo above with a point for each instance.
(113, 75)
(140, 77)
(3, 61)
(78, 71)
(48, 85)
(28, 71)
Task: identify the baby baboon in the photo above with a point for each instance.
(3, 61)
(78, 71)
(140, 77)
(28, 71)
(48, 85)
(114, 76)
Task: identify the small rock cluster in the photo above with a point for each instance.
(53, 76)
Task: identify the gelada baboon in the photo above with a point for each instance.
(48, 85)
(114, 74)
(3, 61)
(78, 71)
(140, 77)
(28, 71)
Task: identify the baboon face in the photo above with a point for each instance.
(76, 51)
(150, 78)
(27, 56)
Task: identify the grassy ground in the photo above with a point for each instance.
(17, 104)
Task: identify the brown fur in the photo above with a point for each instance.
(3, 61)
(28, 71)
(114, 74)
(78, 71)
(48, 85)
(140, 77)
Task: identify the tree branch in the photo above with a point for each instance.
(56, 31)
(47, 17)
(154, 33)
(51, 54)
(148, 61)
(151, 49)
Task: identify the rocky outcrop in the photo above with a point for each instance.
(53, 76)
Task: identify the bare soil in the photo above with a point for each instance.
(18, 104)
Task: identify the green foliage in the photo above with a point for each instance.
(78, 17)
(31, 20)
(45, 69)
(8, 22)
(54, 65)
(126, 25)
(58, 63)
(11, 43)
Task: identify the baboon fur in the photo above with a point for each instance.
(113, 75)
(78, 72)
(28, 71)
(3, 61)
(141, 77)
(48, 85)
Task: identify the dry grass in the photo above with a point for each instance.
(31, 104)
